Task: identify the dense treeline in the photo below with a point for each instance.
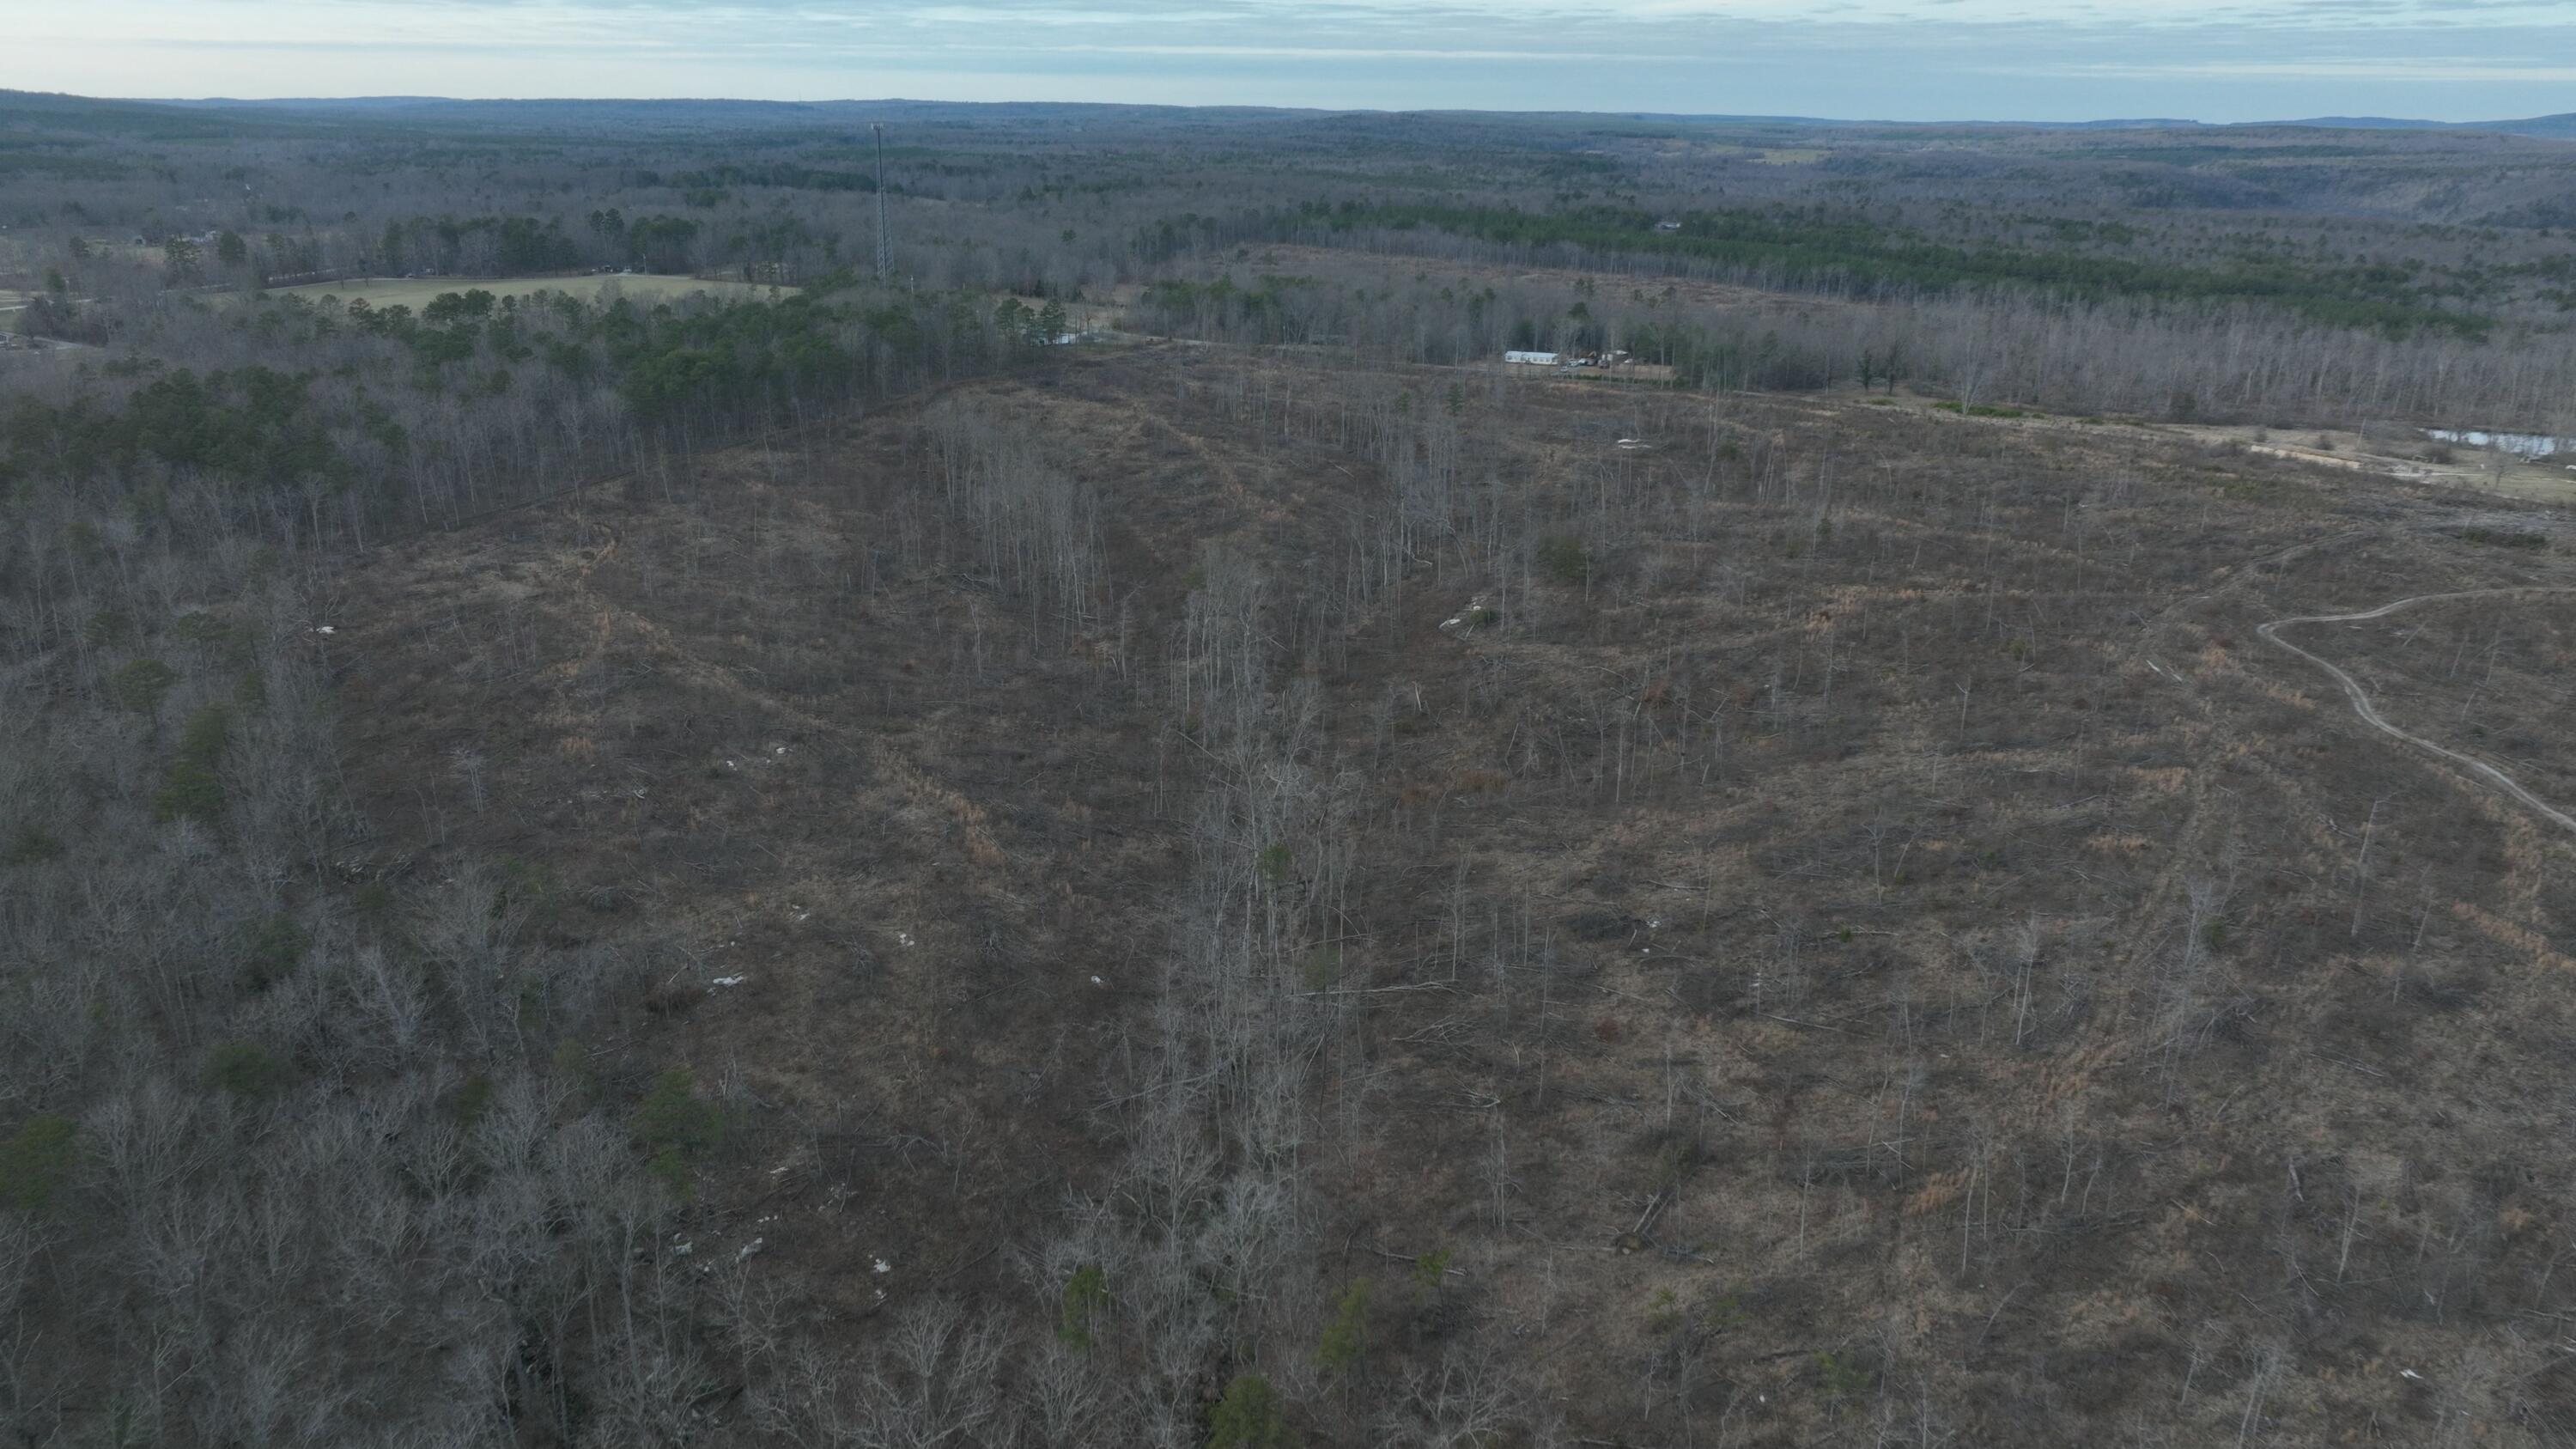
(2239, 363)
(1821, 248)
(379, 418)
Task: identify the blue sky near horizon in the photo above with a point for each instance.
(2215, 60)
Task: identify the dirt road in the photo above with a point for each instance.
(2369, 713)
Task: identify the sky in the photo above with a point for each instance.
(2049, 60)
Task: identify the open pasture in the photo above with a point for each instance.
(415, 292)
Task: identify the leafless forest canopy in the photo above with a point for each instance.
(1119, 836)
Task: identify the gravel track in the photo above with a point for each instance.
(2369, 713)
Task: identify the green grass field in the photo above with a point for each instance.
(415, 292)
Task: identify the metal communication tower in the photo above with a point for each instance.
(885, 242)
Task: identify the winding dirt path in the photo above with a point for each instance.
(2369, 713)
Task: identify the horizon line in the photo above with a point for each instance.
(2351, 121)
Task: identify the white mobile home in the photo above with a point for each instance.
(1531, 359)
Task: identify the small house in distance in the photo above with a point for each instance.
(1519, 358)
(1668, 225)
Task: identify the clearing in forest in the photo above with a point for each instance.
(416, 292)
(1848, 909)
